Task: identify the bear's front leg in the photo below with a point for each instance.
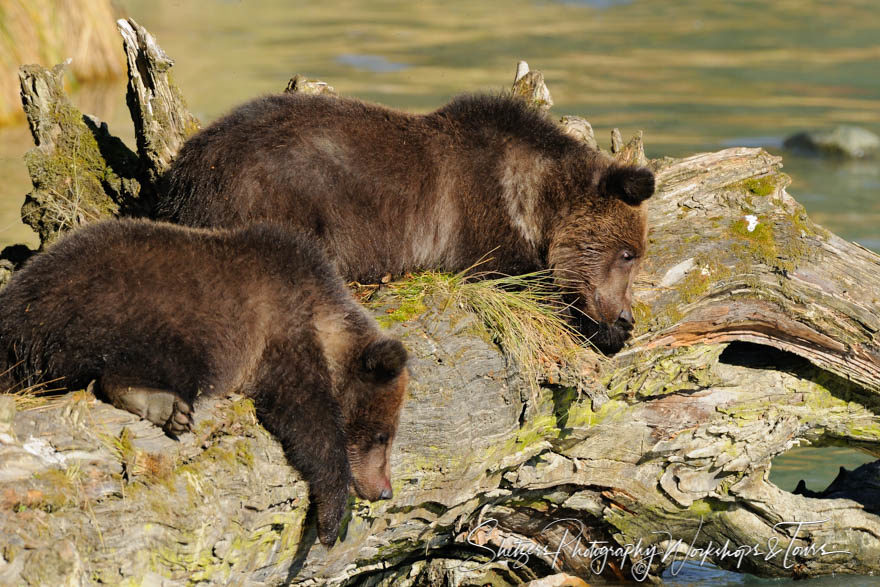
(162, 407)
(293, 400)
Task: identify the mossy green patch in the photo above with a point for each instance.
(241, 413)
(643, 315)
(776, 239)
(693, 286)
(706, 507)
(528, 502)
(802, 224)
(582, 415)
(245, 548)
(69, 181)
(392, 551)
(865, 431)
(761, 186)
(191, 127)
(668, 316)
(435, 459)
(828, 405)
(563, 398)
(230, 456)
(759, 241)
(404, 300)
(125, 451)
(405, 311)
(57, 489)
(535, 430)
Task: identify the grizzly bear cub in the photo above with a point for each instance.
(389, 192)
(159, 315)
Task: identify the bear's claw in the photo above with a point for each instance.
(331, 511)
(162, 407)
(180, 420)
(328, 530)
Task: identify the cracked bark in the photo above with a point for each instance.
(758, 331)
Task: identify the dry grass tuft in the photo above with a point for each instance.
(524, 315)
(31, 396)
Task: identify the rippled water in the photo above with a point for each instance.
(693, 75)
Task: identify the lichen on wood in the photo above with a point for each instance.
(79, 171)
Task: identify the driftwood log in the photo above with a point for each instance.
(757, 332)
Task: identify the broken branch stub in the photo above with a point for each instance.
(299, 84)
(530, 86)
(78, 170)
(161, 120)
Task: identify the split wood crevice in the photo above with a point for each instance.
(757, 332)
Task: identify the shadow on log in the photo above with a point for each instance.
(758, 332)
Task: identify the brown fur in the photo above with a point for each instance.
(390, 192)
(161, 314)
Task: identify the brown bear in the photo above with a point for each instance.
(159, 315)
(390, 192)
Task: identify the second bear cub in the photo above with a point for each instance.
(160, 314)
(484, 179)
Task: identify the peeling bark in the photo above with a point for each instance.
(757, 331)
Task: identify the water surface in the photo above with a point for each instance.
(693, 75)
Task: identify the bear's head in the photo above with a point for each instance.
(596, 250)
(379, 386)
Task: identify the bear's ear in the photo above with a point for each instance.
(631, 184)
(382, 360)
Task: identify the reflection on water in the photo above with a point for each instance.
(817, 466)
(13, 143)
(693, 574)
(375, 63)
(599, 3)
(688, 573)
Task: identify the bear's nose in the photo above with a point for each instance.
(386, 493)
(627, 316)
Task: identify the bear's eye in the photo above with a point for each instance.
(381, 438)
(627, 256)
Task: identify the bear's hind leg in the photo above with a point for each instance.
(162, 407)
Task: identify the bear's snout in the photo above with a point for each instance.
(373, 489)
